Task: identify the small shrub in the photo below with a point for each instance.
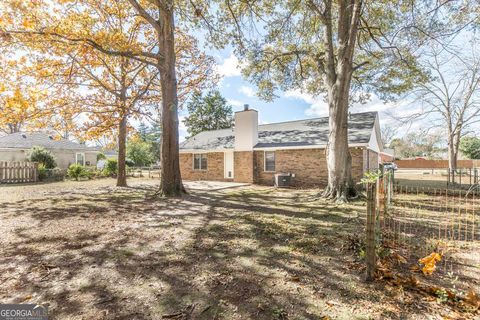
(76, 171)
(42, 172)
(93, 172)
(101, 156)
(45, 174)
(56, 174)
(43, 156)
(111, 168)
(89, 173)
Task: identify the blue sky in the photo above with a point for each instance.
(290, 105)
(294, 104)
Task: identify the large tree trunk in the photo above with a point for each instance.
(171, 181)
(339, 161)
(122, 141)
(338, 75)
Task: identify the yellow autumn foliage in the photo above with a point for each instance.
(88, 90)
(430, 262)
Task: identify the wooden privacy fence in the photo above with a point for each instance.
(434, 164)
(18, 172)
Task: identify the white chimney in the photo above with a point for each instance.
(246, 129)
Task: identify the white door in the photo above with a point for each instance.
(228, 160)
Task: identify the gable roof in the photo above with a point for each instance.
(25, 140)
(299, 133)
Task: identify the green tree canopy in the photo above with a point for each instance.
(139, 151)
(343, 50)
(153, 136)
(470, 147)
(209, 112)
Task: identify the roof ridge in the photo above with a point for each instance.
(317, 118)
(32, 131)
(288, 121)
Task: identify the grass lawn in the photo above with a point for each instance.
(93, 251)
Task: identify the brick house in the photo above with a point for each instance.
(254, 153)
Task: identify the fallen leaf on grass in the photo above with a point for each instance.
(472, 298)
(415, 268)
(384, 271)
(399, 258)
(413, 281)
(429, 263)
(331, 303)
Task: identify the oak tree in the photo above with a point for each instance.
(342, 50)
(80, 22)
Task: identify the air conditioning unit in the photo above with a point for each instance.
(283, 180)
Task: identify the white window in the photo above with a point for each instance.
(270, 161)
(80, 158)
(200, 161)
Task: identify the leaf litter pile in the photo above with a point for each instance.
(390, 268)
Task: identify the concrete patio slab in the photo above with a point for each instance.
(212, 185)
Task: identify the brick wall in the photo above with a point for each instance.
(243, 166)
(215, 167)
(357, 163)
(308, 165)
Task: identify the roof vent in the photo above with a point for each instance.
(245, 107)
(24, 136)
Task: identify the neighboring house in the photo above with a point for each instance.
(17, 146)
(253, 153)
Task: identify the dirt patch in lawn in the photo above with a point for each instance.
(93, 251)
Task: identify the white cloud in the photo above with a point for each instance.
(235, 103)
(318, 107)
(248, 91)
(230, 67)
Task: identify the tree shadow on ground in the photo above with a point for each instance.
(233, 254)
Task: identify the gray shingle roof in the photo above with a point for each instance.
(304, 133)
(25, 140)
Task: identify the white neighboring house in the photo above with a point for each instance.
(17, 146)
